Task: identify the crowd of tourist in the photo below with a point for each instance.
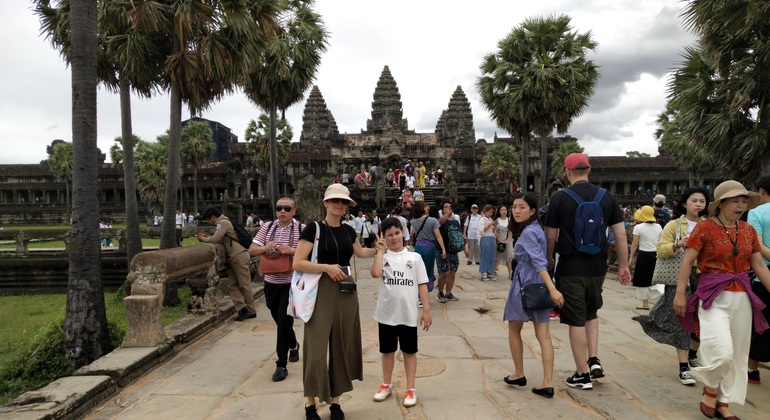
(712, 310)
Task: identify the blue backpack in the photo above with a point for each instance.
(589, 228)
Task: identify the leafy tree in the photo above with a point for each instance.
(213, 44)
(85, 324)
(129, 58)
(197, 147)
(565, 149)
(538, 80)
(721, 91)
(258, 142)
(500, 164)
(60, 162)
(684, 150)
(636, 154)
(152, 165)
(286, 70)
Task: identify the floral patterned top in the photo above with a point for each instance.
(714, 243)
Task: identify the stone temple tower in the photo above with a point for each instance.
(387, 112)
(455, 125)
(318, 125)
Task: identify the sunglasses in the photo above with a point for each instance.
(284, 208)
(338, 200)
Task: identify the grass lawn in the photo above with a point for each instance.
(23, 317)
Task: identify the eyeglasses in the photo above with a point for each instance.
(284, 208)
(338, 200)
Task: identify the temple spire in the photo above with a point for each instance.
(455, 126)
(387, 112)
(318, 124)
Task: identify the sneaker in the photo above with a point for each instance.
(410, 398)
(419, 303)
(245, 313)
(452, 297)
(383, 393)
(470, 262)
(294, 354)
(580, 381)
(694, 362)
(685, 377)
(554, 315)
(440, 297)
(754, 377)
(596, 368)
(484, 277)
(280, 374)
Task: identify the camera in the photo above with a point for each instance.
(348, 287)
(346, 270)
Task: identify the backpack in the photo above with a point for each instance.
(455, 236)
(244, 238)
(589, 228)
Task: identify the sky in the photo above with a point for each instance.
(430, 46)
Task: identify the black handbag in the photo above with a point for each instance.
(535, 296)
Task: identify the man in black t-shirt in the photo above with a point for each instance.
(581, 275)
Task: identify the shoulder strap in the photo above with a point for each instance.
(424, 222)
(314, 255)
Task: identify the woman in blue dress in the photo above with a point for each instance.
(529, 252)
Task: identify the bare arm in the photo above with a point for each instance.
(379, 249)
(624, 274)
(634, 247)
(680, 303)
(425, 318)
(439, 240)
(760, 269)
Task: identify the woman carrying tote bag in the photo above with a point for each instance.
(662, 324)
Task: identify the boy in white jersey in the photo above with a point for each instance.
(404, 280)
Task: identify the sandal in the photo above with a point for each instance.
(708, 411)
(721, 416)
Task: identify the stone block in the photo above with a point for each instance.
(65, 398)
(144, 326)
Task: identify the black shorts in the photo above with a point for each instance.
(391, 336)
(582, 299)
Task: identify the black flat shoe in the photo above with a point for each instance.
(520, 381)
(546, 392)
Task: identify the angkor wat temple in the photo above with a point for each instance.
(29, 194)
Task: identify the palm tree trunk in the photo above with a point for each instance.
(195, 188)
(67, 201)
(85, 322)
(541, 198)
(524, 161)
(273, 160)
(133, 235)
(168, 228)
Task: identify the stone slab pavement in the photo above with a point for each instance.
(226, 374)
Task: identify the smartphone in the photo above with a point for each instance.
(346, 270)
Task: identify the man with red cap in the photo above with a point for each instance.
(581, 269)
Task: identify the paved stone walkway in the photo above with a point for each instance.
(462, 360)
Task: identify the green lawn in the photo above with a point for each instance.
(25, 320)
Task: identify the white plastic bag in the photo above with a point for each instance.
(304, 288)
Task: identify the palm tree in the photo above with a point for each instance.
(60, 162)
(152, 165)
(500, 164)
(565, 149)
(286, 69)
(130, 58)
(213, 44)
(538, 80)
(85, 322)
(258, 143)
(721, 91)
(197, 147)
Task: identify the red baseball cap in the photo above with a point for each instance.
(576, 161)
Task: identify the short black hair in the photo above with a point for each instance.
(211, 211)
(763, 183)
(390, 223)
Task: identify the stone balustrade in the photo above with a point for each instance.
(149, 273)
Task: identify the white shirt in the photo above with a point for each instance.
(376, 224)
(472, 222)
(179, 218)
(359, 223)
(398, 297)
(410, 181)
(648, 233)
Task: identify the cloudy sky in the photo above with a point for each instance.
(431, 47)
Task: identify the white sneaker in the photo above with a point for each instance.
(410, 398)
(383, 393)
(483, 276)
